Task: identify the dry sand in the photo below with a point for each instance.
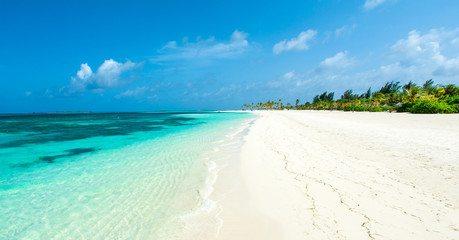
(336, 175)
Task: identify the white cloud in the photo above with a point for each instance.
(340, 60)
(450, 67)
(204, 49)
(171, 44)
(417, 57)
(107, 76)
(239, 36)
(285, 80)
(455, 41)
(345, 30)
(370, 4)
(416, 44)
(299, 43)
(82, 79)
(85, 71)
(424, 52)
(328, 72)
(136, 93)
(289, 75)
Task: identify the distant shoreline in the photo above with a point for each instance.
(44, 113)
(119, 112)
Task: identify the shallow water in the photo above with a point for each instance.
(107, 175)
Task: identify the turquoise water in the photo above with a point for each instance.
(108, 175)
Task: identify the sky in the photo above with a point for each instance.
(216, 55)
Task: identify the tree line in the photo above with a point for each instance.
(393, 96)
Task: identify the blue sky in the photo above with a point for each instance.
(181, 55)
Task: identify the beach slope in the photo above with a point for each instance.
(344, 175)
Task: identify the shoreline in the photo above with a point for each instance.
(333, 175)
(233, 197)
(204, 221)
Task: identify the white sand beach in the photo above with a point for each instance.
(343, 175)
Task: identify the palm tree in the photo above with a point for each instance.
(390, 87)
(440, 93)
(451, 90)
(413, 93)
(427, 84)
(332, 105)
(429, 87)
(409, 85)
(378, 99)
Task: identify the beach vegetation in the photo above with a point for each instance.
(391, 97)
(423, 106)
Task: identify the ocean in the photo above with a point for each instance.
(145, 175)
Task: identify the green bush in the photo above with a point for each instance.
(452, 100)
(376, 109)
(406, 107)
(359, 108)
(355, 108)
(432, 107)
(390, 109)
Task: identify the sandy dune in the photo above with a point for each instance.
(335, 175)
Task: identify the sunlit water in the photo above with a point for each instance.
(110, 175)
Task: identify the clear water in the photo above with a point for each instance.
(107, 175)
